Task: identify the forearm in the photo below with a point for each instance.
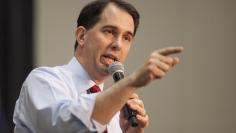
(110, 101)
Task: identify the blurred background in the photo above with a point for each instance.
(198, 95)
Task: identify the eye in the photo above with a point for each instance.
(127, 38)
(108, 31)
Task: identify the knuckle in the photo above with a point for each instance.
(161, 74)
(150, 61)
(168, 60)
(155, 55)
(141, 102)
(167, 67)
(150, 76)
(134, 96)
(171, 60)
(150, 68)
(129, 102)
(152, 55)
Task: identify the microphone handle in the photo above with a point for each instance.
(131, 116)
(130, 113)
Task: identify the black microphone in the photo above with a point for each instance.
(116, 69)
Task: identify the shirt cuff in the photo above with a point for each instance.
(99, 127)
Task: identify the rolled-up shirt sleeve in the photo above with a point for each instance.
(46, 104)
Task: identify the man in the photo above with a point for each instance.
(57, 100)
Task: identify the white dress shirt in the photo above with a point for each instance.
(54, 100)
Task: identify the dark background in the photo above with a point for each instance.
(16, 54)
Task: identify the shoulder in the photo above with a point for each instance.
(44, 74)
(44, 79)
(49, 72)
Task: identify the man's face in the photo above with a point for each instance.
(109, 40)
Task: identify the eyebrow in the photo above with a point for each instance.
(114, 27)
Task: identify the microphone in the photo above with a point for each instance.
(116, 69)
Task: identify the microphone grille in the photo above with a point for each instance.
(115, 67)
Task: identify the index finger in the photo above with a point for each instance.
(170, 50)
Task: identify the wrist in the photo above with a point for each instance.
(131, 80)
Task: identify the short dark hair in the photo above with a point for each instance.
(90, 14)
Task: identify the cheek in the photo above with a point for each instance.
(99, 41)
(93, 43)
(97, 46)
(125, 52)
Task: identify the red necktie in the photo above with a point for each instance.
(95, 89)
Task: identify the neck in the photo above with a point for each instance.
(95, 76)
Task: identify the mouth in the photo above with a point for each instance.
(109, 59)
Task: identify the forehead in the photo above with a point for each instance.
(117, 17)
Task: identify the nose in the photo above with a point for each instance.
(116, 44)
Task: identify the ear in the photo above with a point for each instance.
(80, 35)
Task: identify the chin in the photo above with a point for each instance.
(103, 69)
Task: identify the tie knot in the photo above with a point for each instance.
(94, 89)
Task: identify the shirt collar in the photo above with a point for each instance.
(80, 77)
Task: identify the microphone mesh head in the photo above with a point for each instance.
(115, 67)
